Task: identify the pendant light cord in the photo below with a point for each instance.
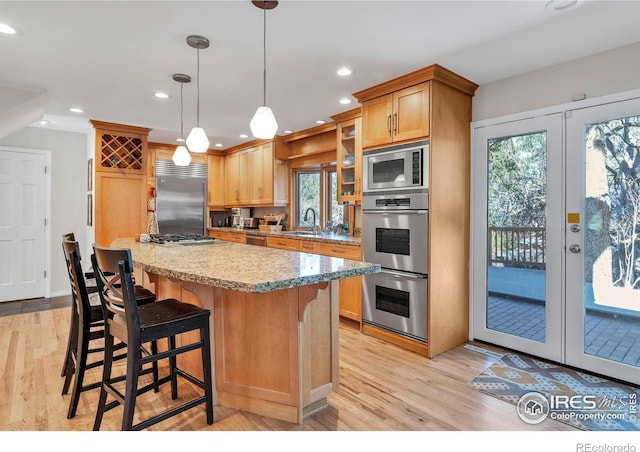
(198, 91)
(264, 54)
(181, 118)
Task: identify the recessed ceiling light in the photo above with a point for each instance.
(162, 95)
(7, 30)
(345, 101)
(180, 140)
(319, 121)
(562, 5)
(218, 145)
(287, 131)
(44, 122)
(244, 135)
(76, 110)
(344, 71)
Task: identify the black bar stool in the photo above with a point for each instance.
(139, 324)
(86, 328)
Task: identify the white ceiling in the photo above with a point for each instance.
(110, 57)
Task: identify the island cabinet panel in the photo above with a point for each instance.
(284, 372)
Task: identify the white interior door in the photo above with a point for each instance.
(22, 225)
(517, 235)
(603, 239)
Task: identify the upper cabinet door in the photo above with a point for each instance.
(215, 180)
(376, 121)
(411, 113)
(396, 117)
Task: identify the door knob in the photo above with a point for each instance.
(574, 248)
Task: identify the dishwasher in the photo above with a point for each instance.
(258, 240)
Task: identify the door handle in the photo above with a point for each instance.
(574, 248)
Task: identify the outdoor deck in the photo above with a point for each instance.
(516, 306)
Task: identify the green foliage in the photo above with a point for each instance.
(517, 180)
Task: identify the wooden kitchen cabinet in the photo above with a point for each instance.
(349, 156)
(396, 117)
(236, 237)
(232, 180)
(351, 298)
(254, 177)
(350, 292)
(120, 181)
(283, 243)
(433, 103)
(215, 181)
(269, 177)
(245, 174)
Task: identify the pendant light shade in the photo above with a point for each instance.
(197, 140)
(263, 124)
(181, 156)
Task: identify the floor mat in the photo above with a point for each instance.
(543, 390)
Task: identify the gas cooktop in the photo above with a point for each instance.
(181, 238)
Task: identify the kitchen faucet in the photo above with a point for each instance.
(315, 228)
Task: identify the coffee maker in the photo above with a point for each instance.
(237, 216)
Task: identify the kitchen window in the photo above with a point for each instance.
(316, 188)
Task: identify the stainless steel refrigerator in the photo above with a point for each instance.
(181, 197)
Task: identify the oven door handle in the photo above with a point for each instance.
(402, 274)
(391, 212)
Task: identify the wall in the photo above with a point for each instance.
(600, 74)
(68, 191)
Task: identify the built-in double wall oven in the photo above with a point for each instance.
(395, 236)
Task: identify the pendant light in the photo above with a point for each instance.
(181, 156)
(197, 140)
(263, 124)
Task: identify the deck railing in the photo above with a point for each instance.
(517, 247)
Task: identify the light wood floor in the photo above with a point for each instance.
(382, 388)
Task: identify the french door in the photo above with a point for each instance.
(517, 235)
(603, 239)
(556, 237)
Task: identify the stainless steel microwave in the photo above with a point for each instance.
(396, 168)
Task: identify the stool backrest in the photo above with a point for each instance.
(113, 268)
(76, 279)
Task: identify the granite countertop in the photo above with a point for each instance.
(342, 239)
(236, 266)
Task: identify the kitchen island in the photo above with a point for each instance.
(274, 318)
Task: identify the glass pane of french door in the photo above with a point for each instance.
(516, 278)
(603, 240)
(516, 224)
